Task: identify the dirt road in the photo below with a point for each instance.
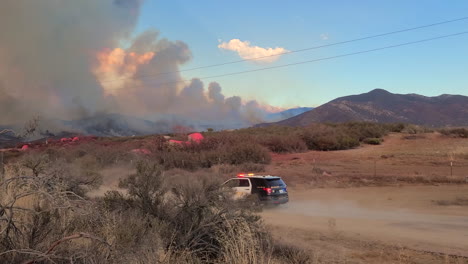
(409, 216)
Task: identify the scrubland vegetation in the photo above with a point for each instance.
(164, 212)
(245, 146)
(46, 217)
(455, 132)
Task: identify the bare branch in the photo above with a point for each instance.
(58, 242)
(4, 131)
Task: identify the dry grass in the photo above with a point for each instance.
(396, 161)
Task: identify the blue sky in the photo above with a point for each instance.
(430, 68)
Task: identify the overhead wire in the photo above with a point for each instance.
(311, 61)
(298, 50)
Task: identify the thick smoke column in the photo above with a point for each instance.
(143, 80)
(64, 60)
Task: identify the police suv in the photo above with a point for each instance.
(269, 189)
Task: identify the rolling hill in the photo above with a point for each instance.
(384, 107)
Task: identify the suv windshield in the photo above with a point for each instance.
(275, 183)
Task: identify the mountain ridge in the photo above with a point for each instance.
(382, 106)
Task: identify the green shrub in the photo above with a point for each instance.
(247, 153)
(324, 137)
(285, 144)
(363, 130)
(373, 141)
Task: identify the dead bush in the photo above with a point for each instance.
(291, 254)
(197, 214)
(455, 132)
(38, 208)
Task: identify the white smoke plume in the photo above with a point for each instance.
(63, 60)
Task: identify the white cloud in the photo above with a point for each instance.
(247, 51)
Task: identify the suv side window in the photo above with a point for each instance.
(276, 182)
(244, 183)
(232, 183)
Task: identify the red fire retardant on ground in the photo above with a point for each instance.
(172, 141)
(75, 139)
(141, 151)
(196, 137)
(65, 140)
(25, 147)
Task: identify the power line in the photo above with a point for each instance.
(300, 50)
(314, 60)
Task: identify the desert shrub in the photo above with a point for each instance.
(40, 204)
(290, 253)
(157, 143)
(78, 176)
(198, 216)
(363, 130)
(250, 167)
(226, 169)
(415, 129)
(247, 153)
(158, 219)
(455, 132)
(146, 188)
(395, 127)
(284, 144)
(373, 141)
(179, 159)
(323, 137)
(104, 154)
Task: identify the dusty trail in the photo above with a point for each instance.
(405, 216)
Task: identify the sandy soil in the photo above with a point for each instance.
(406, 217)
(377, 204)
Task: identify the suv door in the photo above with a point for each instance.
(242, 187)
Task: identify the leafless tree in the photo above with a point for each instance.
(30, 128)
(37, 213)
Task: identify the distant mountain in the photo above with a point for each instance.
(274, 117)
(382, 106)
